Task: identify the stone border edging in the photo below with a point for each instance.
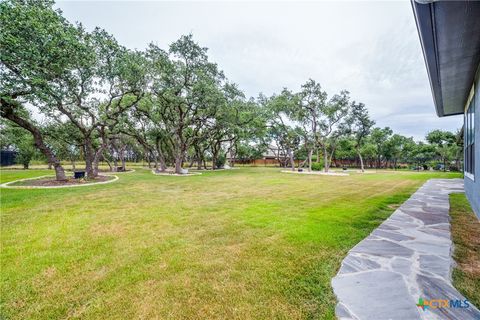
(118, 172)
(7, 185)
(176, 174)
(210, 170)
(317, 173)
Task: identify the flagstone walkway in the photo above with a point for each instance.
(406, 258)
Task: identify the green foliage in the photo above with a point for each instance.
(247, 153)
(317, 166)
(37, 45)
(220, 161)
(174, 103)
(25, 153)
(19, 140)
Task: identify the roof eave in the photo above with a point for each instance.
(424, 20)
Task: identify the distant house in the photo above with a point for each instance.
(272, 156)
(450, 37)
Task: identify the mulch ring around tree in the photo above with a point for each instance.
(50, 182)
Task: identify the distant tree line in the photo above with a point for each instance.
(308, 125)
(68, 94)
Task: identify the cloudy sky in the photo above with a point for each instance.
(369, 48)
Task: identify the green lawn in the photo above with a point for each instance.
(466, 240)
(251, 243)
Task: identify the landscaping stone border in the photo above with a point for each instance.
(118, 172)
(210, 170)
(7, 185)
(317, 173)
(166, 174)
(408, 257)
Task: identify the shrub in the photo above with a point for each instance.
(317, 166)
(220, 161)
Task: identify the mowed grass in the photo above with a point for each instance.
(466, 240)
(251, 243)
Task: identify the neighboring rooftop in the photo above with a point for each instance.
(449, 32)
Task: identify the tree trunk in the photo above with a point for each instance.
(162, 163)
(361, 160)
(156, 167)
(89, 159)
(292, 160)
(96, 161)
(214, 159)
(109, 165)
(73, 164)
(7, 112)
(161, 158)
(326, 165)
(310, 152)
(215, 151)
(178, 163)
(115, 164)
(331, 157)
(123, 158)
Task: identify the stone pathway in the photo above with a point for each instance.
(406, 258)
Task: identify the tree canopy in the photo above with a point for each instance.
(75, 94)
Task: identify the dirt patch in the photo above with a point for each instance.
(101, 170)
(51, 182)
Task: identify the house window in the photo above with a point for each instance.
(470, 140)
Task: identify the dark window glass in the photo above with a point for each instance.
(470, 138)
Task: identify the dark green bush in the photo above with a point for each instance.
(317, 166)
(220, 161)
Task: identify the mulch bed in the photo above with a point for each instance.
(101, 170)
(50, 181)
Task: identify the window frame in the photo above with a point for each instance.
(469, 142)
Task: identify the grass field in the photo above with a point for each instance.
(251, 243)
(466, 239)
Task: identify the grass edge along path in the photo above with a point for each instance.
(241, 244)
(465, 228)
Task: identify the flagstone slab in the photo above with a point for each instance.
(406, 258)
(382, 248)
(434, 288)
(376, 287)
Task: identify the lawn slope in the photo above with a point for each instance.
(251, 243)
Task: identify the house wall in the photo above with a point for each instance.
(472, 187)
